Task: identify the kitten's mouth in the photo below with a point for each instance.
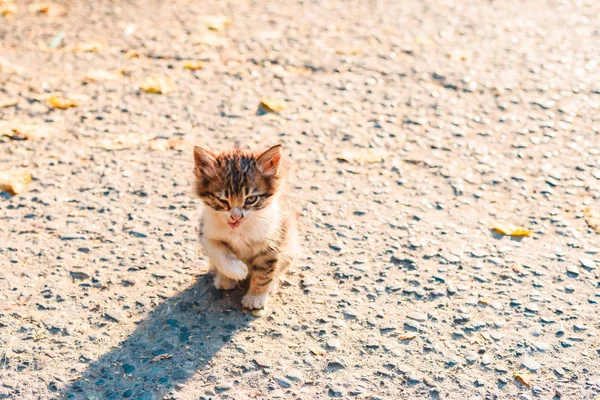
(234, 224)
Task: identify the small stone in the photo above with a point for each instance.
(262, 362)
(128, 368)
(587, 263)
(283, 382)
(486, 360)
(333, 343)
(541, 346)
(73, 236)
(532, 308)
(412, 325)
(294, 375)
(573, 270)
(471, 357)
(531, 364)
(336, 391)
(114, 315)
(417, 316)
(222, 387)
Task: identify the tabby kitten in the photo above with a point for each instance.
(247, 228)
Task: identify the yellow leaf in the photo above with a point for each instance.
(158, 85)
(524, 377)
(166, 144)
(193, 65)
(8, 9)
(510, 229)
(100, 75)
(122, 142)
(349, 51)
(366, 156)
(14, 181)
(271, 105)
(593, 219)
(61, 102)
(407, 336)
(20, 131)
(216, 22)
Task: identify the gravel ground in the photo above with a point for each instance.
(412, 126)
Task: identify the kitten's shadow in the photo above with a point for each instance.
(177, 339)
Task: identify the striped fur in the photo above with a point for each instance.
(248, 186)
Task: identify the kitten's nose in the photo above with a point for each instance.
(236, 214)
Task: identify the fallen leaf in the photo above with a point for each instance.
(349, 51)
(61, 102)
(14, 181)
(510, 230)
(524, 377)
(100, 75)
(161, 357)
(593, 219)
(193, 65)
(216, 22)
(8, 101)
(50, 9)
(210, 39)
(271, 105)
(166, 144)
(87, 47)
(407, 336)
(366, 156)
(8, 9)
(158, 85)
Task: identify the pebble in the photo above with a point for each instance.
(262, 362)
(222, 387)
(294, 374)
(587, 263)
(417, 316)
(333, 344)
(531, 364)
(471, 357)
(114, 315)
(573, 270)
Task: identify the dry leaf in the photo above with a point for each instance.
(216, 22)
(210, 39)
(193, 65)
(271, 105)
(158, 85)
(349, 51)
(593, 219)
(87, 47)
(8, 101)
(510, 230)
(407, 336)
(8, 9)
(101, 75)
(50, 9)
(161, 357)
(524, 377)
(61, 102)
(14, 181)
(366, 156)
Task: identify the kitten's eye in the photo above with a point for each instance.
(251, 200)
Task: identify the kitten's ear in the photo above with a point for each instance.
(205, 162)
(270, 161)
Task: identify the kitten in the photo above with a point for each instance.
(247, 229)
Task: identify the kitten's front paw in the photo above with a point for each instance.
(224, 283)
(235, 269)
(254, 302)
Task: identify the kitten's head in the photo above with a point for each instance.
(237, 183)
